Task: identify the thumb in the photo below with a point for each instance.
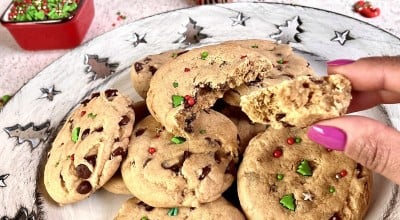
(366, 141)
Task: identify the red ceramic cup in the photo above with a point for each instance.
(52, 34)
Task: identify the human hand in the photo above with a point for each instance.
(375, 80)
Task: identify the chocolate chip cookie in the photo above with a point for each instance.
(143, 70)
(299, 102)
(195, 80)
(165, 170)
(89, 147)
(286, 65)
(284, 175)
(219, 209)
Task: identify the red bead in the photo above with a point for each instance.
(152, 150)
(186, 70)
(277, 153)
(73, 157)
(191, 101)
(343, 173)
(290, 140)
(83, 113)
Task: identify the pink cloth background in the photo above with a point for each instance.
(18, 66)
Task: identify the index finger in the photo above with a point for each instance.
(371, 73)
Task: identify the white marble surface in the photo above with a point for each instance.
(18, 66)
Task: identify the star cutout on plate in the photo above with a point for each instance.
(29, 133)
(192, 33)
(342, 37)
(100, 67)
(49, 93)
(137, 39)
(239, 19)
(288, 32)
(2, 179)
(307, 196)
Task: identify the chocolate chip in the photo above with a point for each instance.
(287, 125)
(316, 81)
(177, 167)
(278, 54)
(146, 162)
(85, 133)
(205, 171)
(84, 187)
(94, 95)
(217, 157)
(279, 67)
(273, 188)
(111, 93)
(231, 169)
(288, 75)
(83, 171)
(306, 85)
(138, 67)
(213, 142)
(188, 123)
(85, 102)
(91, 159)
(98, 129)
(119, 152)
(116, 139)
(140, 131)
(124, 121)
(147, 60)
(335, 216)
(146, 207)
(186, 155)
(359, 169)
(279, 116)
(152, 69)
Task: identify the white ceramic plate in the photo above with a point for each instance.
(30, 120)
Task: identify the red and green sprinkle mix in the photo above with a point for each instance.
(177, 100)
(202, 131)
(332, 189)
(4, 99)
(178, 140)
(189, 100)
(39, 10)
(281, 61)
(173, 212)
(174, 55)
(186, 70)
(279, 176)
(254, 46)
(175, 84)
(144, 218)
(152, 150)
(292, 140)
(75, 134)
(277, 153)
(204, 55)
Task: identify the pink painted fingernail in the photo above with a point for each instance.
(339, 62)
(328, 136)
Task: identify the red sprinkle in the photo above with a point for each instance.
(290, 141)
(187, 70)
(243, 56)
(73, 157)
(277, 153)
(113, 24)
(190, 100)
(152, 150)
(83, 113)
(343, 173)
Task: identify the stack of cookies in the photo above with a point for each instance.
(227, 116)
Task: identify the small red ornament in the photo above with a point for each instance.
(343, 173)
(83, 113)
(152, 150)
(190, 100)
(73, 157)
(290, 140)
(186, 70)
(365, 9)
(277, 153)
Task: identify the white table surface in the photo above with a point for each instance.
(17, 66)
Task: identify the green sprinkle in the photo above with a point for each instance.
(202, 131)
(304, 168)
(144, 218)
(178, 140)
(175, 84)
(279, 176)
(297, 140)
(174, 55)
(332, 189)
(75, 134)
(280, 61)
(92, 116)
(58, 162)
(68, 157)
(289, 202)
(173, 212)
(177, 100)
(204, 55)
(254, 46)
(5, 99)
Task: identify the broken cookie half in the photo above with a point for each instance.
(299, 102)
